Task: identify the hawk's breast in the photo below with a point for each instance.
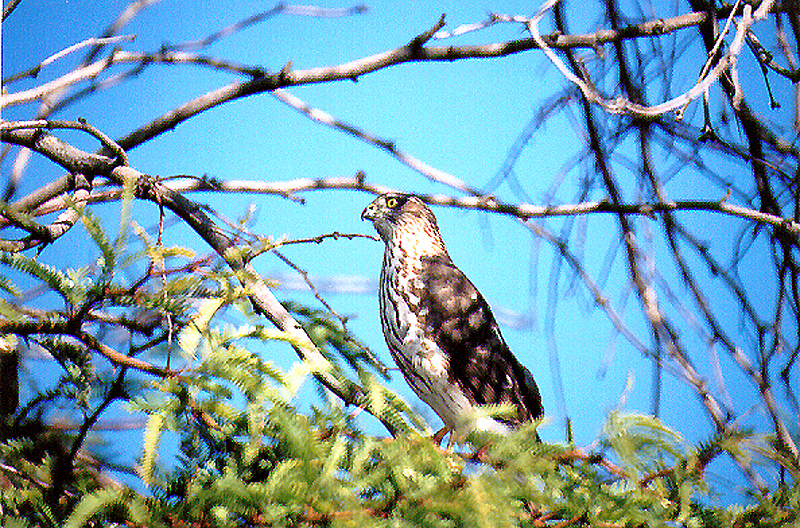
(410, 324)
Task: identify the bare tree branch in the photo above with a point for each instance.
(624, 106)
(279, 9)
(33, 72)
(480, 203)
(9, 7)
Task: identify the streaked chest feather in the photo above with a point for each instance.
(403, 288)
(406, 308)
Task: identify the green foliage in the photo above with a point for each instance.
(327, 335)
(272, 465)
(108, 254)
(54, 279)
(257, 449)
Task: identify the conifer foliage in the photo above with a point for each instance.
(150, 376)
(249, 454)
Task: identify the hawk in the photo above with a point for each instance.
(440, 330)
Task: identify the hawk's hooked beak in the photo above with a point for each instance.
(368, 213)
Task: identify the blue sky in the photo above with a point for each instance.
(461, 117)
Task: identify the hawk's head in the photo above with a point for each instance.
(403, 216)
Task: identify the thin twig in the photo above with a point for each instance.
(279, 9)
(121, 359)
(389, 146)
(318, 239)
(33, 72)
(304, 274)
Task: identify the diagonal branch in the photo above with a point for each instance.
(389, 146)
(279, 9)
(260, 295)
(34, 72)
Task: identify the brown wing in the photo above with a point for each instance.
(458, 318)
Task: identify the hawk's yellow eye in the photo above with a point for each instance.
(391, 203)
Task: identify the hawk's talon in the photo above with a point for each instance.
(439, 435)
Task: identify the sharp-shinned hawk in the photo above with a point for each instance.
(438, 327)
